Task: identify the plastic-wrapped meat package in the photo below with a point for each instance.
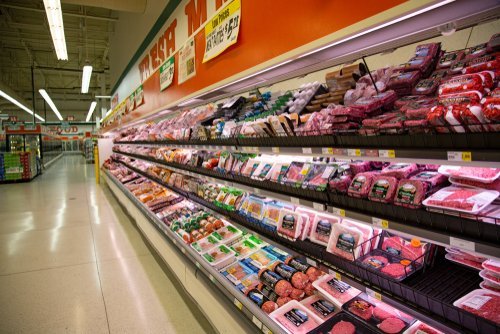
(483, 303)
(311, 127)
(419, 110)
(426, 87)
(322, 227)
(453, 117)
(367, 105)
(403, 82)
(377, 121)
(450, 58)
(339, 110)
(321, 307)
(402, 102)
(465, 97)
(296, 173)
(427, 50)
(387, 98)
(469, 200)
(277, 172)
(420, 328)
(352, 95)
(433, 178)
(493, 44)
(340, 184)
(491, 108)
(361, 184)
(476, 51)
(383, 189)
(343, 127)
(344, 119)
(393, 126)
(295, 318)
(410, 193)
(474, 118)
(420, 64)
(360, 166)
(479, 174)
(483, 64)
(495, 185)
(289, 224)
(400, 170)
(336, 291)
(436, 118)
(368, 234)
(462, 83)
(318, 176)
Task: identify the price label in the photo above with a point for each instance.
(373, 294)
(459, 156)
(463, 244)
(238, 304)
(327, 150)
(266, 330)
(255, 149)
(335, 274)
(257, 322)
(318, 206)
(256, 190)
(175, 242)
(354, 152)
(183, 250)
(211, 278)
(276, 150)
(294, 200)
(306, 150)
(338, 212)
(311, 262)
(197, 264)
(382, 223)
(387, 154)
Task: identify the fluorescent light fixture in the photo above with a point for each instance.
(87, 73)
(91, 110)
(50, 103)
(54, 16)
(399, 19)
(107, 113)
(103, 96)
(19, 104)
(190, 101)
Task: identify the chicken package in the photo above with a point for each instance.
(345, 241)
(361, 184)
(236, 272)
(289, 224)
(463, 199)
(318, 177)
(336, 291)
(322, 228)
(295, 318)
(450, 58)
(296, 173)
(383, 189)
(480, 174)
(259, 260)
(483, 303)
(399, 170)
(276, 252)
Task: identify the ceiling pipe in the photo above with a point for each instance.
(133, 6)
(65, 13)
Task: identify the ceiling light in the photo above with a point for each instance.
(103, 96)
(190, 101)
(54, 16)
(87, 73)
(91, 110)
(19, 104)
(50, 103)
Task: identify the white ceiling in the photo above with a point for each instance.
(25, 41)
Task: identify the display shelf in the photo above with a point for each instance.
(241, 303)
(439, 228)
(427, 296)
(471, 149)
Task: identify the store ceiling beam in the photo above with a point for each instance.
(132, 6)
(65, 13)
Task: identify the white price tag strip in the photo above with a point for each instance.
(463, 244)
(459, 156)
(198, 265)
(266, 330)
(387, 153)
(211, 278)
(318, 206)
(276, 150)
(354, 152)
(338, 212)
(238, 304)
(373, 294)
(256, 190)
(381, 223)
(336, 274)
(327, 150)
(311, 262)
(306, 150)
(257, 322)
(183, 250)
(294, 200)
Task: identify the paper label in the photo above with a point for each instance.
(318, 206)
(306, 150)
(167, 73)
(459, 156)
(294, 200)
(387, 153)
(356, 152)
(476, 302)
(462, 244)
(256, 322)
(187, 61)
(338, 212)
(296, 317)
(373, 294)
(275, 150)
(311, 262)
(382, 223)
(327, 150)
(238, 304)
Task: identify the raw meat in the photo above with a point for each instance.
(393, 245)
(289, 224)
(436, 118)
(469, 200)
(481, 174)
(427, 50)
(343, 327)
(340, 184)
(297, 294)
(461, 83)
(295, 318)
(492, 265)
(311, 272)
(464, 97)
(269, 307)
(319, 306)
(322, 228)
(482, 303)
(360, 167)
(283, 300)
(296, 173)
(345, 241)
(309, 289)
(420, 64)
(449, 58)
(396, 270)
(413, 250)
(495, 185)
(383, 189)
(426, 87)
(476, 51)
(464, 261)
(381, 314)
(376, 262)
(361, 185)
(377, 121)
(361, 308)
(410, 193)
(275, 282)
(298, 279)
(392, 325)
(399, 170)
(318, 177)
(453, 117)
(432, 178)
(337, 291)
(421, 328)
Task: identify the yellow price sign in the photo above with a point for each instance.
(466, 156)
(238, 304)
(327, 150)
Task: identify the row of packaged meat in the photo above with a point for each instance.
(473, 190)
(299, 297)
(435, 91)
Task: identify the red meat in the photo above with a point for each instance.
(474, 172)
(495, 185)
(431, 177)
(269, 306)
(361, 308)
(461, 83)
(392, 325)
(383, 189)
(490, 308)
(360, 185)
(375, 261)
(379, 120)
(492, 266)
(393, 245)
(282, 301)
(309, 289)
(453, 117)
(300, 280)
(297, 294)
(424, 329)
(465, 97)
(283, 288)
(399, 170)
(343, 327)
(458, 199)
(381, 314)
(395, 270)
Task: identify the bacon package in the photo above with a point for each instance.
(469, 200)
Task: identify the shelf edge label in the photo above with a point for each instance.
(463, 244)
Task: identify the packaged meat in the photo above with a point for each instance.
(229, 234)
(268, 292)
(387, 98)
(361, 185)
(360, 166)
(426, 87)
(463, 97)
(343, 323)
(259, 260)
(421, 328)
(276, 252)
(271, 279)
(298, 279)
(282, 301)
(484, 65)
(289, 224)
(311, 272)
(402, 102)
(463, 261)
(345, 241)
(297, 294)
(340, 184)
(403, 81)
(479, 174)
(450, 58)
(417, 126)
(468, 255)
(219, 256)
(399, 170)
(207, 243)
(318, 177)
(490, 277)
(476, 51)
(432, 178)
(367, 105)
(392, 325)
(488, 286)
(436, 118)
(321, 307)
(493, 44)
(296, 173)
(483, 303)
(469, 200)
(295, 318)
(269, 307)
(454, 117)
(370, 235)
(492, 265)
(258, 298)
(336, 291)
(427, 50)
(473, 117)
(376, 121)
(389, 264)
(248, 283)
(383, 189)
(420, 64)
(244, 248)
(495, 185)
(322, 228)
(462, 83)
(277, 172)
(272, 213)
(410, 193)
(236, 272)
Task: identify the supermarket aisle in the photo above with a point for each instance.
(72, 261)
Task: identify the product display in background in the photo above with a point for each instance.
(17, 166)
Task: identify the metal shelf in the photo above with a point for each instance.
(442, 229)
(241, 303)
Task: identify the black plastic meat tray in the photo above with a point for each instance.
(325, 328)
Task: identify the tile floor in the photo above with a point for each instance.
(71, 261)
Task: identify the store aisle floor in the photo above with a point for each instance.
(71, 261)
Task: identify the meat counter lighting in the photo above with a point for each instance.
(50, 103)
(54, 16)
(87, 73)
(20, 105)
(91, 110)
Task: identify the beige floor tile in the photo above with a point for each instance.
(34, 250)
(62, 300)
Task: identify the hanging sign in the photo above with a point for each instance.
(130, 102)
(186, 61)
(222, 31)
(167, 73)
(139, 96)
